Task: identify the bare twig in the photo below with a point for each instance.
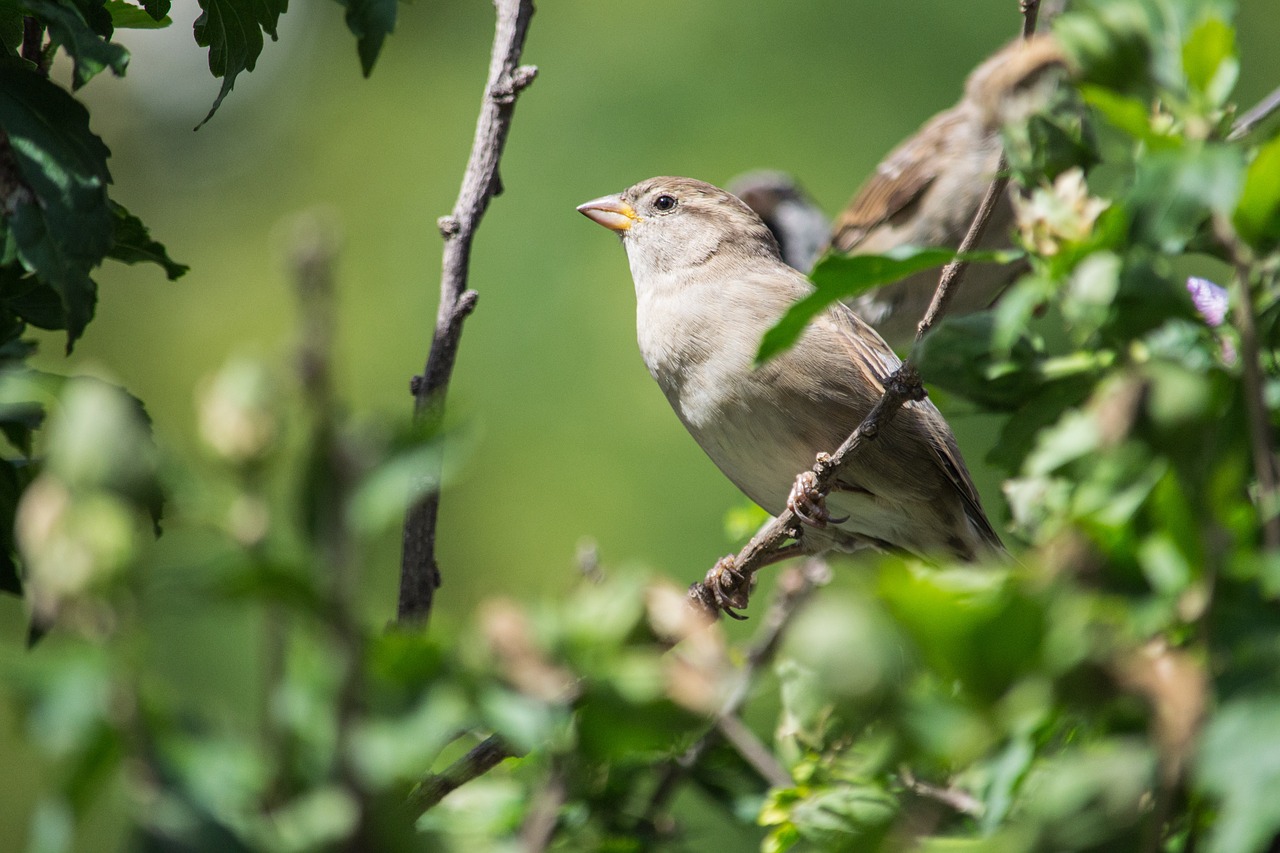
(953, 798)
(1030, 11)
(419, 574)
(1260, 438)
(954, 271)
(727, 586)
(482, 758)
(1255, 116)
(793, 590)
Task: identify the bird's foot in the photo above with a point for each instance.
(725, 589)
(809, 503)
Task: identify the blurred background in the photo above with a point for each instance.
(569, 439)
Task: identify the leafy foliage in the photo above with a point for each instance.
(232, 30)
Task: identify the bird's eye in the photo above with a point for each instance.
(664, 203)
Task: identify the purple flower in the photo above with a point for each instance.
(1210, 300)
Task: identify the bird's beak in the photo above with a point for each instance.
(611, 212)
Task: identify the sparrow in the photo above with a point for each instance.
(926, 191)
(800, 226)
(709, 282)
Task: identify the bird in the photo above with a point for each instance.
(926, 191)
(799, 225)
(709, 281)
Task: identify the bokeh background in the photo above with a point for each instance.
(568, 439)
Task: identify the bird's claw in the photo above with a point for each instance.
(725, 589)
(809, 503)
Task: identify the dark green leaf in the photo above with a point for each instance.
(1175, 192)
(838, 277)
(133, 244)
(13, 479)
(1109, 44)
(1257, 217)
(370, 21)
(127, 16)
(90, 48)
(232, 30)
(156, 8)
(10, 27)
(61, 226)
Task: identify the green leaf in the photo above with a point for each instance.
(838, 277)
(232, 30)
(1209, 59)
(370, 21)
(11, 27)
(1129, 114)
(127, 16)
(1257, 216)
(157, 9)
(1110, 44)
(89, 47)
(1175, 192)
(1239, 764)
(61, 226)
(133, 244)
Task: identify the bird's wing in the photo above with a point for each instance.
(868, 349)
(897, 184)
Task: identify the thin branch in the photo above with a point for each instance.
(1260, 438)
(794, 588)
(1030, 11)
(482, 758)
(1255, 116)
(419, 573)
(954, 271)
(953, 798)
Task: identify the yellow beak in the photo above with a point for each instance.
(611, 212)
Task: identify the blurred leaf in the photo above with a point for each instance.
(232, 30)
(1090, 796)
(845, 817)
(64, 228)
(960, 356)
(1257, 217)
(1110, 43)
(1130, 114)
(838, 277)
(400, 481)
(1209, 59)
(387, 750)
(127, 16)
(1239, 765)
(132, 244)
(370, 21)
(87, 43)
(1175, 192)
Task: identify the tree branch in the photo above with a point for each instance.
(1255, 116)
(419, 573)
(482, 758)
(1260, 439)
